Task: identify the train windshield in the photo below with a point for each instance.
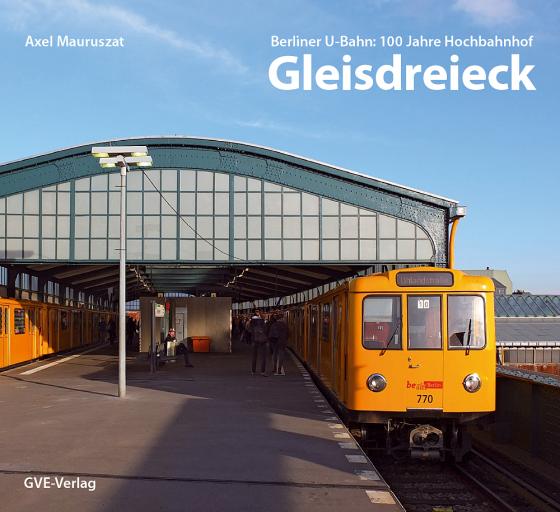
(424, 322)
(465, 321)
(382, 323)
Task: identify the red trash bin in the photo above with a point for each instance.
(200, 343)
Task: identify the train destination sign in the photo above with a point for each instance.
(424, 279)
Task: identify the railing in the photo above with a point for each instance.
(528, 352)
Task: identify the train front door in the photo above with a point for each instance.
(470, 341)
(424, 353)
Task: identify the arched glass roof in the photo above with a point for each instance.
(216, 203)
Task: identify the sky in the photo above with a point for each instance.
(199, 68)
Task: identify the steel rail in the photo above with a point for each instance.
(525, 485)
(485, 489)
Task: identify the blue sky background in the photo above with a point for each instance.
(200, 68)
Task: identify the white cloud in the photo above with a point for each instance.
(489, 12)
(262, 124)
(25, 12)
(308, 132)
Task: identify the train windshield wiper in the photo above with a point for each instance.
(469, 333)
(388, 342)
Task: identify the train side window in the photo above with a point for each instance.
(19, 321)
(326, 321)
(424, 322)
(465, 321)
(381, 323)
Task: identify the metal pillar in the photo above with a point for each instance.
(153, 344)
(122, 287)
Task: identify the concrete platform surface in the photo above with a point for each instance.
(207, 438)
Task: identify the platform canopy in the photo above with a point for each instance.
(208, 209)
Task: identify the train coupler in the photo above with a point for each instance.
(426, 442)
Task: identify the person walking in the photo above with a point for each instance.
(260, 343)
(279, 330)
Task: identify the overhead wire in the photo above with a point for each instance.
(196, 233)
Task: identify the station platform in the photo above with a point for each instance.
(208, 438)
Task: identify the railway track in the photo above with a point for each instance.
(517, 487)
(480, 484)
(430, 486)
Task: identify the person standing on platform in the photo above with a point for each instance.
(102, 327)
(130, 327)
(112, 331)
(245, 333)
(270, 333)
(279, 330)
(260, 343)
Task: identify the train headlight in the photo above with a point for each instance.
(472, 382)
(376, 382)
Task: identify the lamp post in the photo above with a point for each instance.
(123, 157)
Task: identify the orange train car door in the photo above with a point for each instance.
(424, 352)
(32, 330)
(53, 330)
(325, 343)
(344, 333)
(313, 353)
(335, 357)
(4, 328)
(37, 332)
(44, 331)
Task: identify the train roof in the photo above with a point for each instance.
(421, 279)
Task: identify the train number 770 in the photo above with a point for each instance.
(425, 399)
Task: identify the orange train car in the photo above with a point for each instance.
(407, 356)
(30, 330)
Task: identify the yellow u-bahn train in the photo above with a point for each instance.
(31, 330)
(407, 356)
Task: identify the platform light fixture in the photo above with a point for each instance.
(132, 161)
(123, 157)
(107, 151)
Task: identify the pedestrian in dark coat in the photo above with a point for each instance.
(260, 343)
(271, 333)
(245, 333)
(102, 327)
(112, 330)
(279, 330)
(130, 328)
